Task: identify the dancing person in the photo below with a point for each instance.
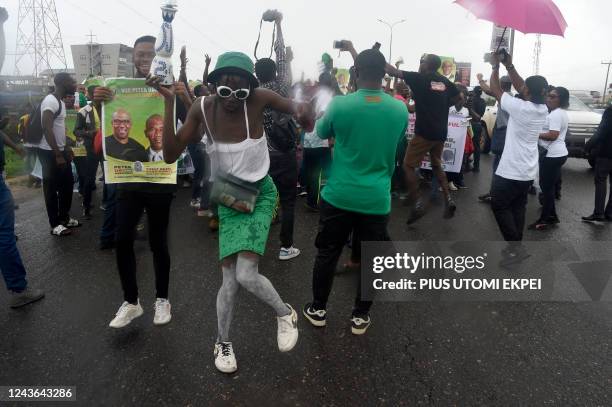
(553, 155)
(433, 95)
(233, 120)
(519, 162)
(276, 76)
(367, 126)
(131, 201)
(317, 151)
(498, 137)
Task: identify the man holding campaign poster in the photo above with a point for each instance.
(132, 124)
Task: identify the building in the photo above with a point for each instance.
(108, 60)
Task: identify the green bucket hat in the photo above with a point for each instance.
(236, 63)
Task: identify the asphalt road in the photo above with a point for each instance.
(501, 354)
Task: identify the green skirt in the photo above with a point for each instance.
(248, 232)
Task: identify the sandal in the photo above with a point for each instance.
(60, 230)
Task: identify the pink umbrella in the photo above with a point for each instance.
(526, 16)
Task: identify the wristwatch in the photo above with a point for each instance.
(510, 67)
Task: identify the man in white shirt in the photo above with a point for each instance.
(55, 157)
(154, 130)
(519, 162)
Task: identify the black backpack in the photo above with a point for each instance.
(35, 131)
(284, 133)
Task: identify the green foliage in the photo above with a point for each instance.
(15, 165)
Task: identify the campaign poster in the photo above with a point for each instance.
(132, 130)
(78, 147)
(343, 76)
(448, 69)
(501, 38)
(464, 73)
(452, 156)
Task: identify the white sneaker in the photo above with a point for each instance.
(127, 312)
(204, 213)
(287, 331)
(452, 186)
(288, 254)
(225, 360)
(195, 203)
(162, 312)
(60, 230)
(73, 223)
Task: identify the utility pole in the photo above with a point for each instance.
(391, 26)
(537, 51)
(91, 36)
(603, 95)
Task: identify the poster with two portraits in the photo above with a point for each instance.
(132, 130)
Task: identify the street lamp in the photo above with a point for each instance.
(391, 26)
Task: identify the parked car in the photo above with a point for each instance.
(583, 123)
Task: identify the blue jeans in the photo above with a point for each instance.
(107, 234)
(11, 265)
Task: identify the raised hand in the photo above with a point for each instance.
(168, 92)
(102, 94)
(183, 56)
(207, 59)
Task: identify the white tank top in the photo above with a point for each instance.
(248, 160)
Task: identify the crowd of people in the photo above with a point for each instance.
(248, 127)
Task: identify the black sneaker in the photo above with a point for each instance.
(513, 256)
(486, 198)
(593, 218)
(315, 317)
(360, 324)
(416, 213)
(450, 209)
(539, 225)
(27, 296)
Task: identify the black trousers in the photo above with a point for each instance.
(316, 163)
(130, 206)
(603, 175)
(57, 187)
(509, 203)
(550, 175)
(87, 167)
(283, 170)
(477, 129)
(335, 225)
(496, 158)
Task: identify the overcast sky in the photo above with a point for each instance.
(311, 26)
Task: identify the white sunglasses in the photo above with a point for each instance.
(226, 91)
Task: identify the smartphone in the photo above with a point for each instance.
(503, 54)
(337, 44)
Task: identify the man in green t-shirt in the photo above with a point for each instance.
(367, 126)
